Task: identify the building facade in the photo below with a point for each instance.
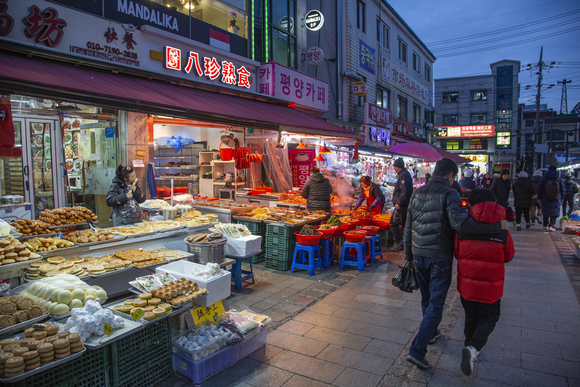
(477, 116)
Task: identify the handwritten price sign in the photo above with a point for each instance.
(208, 313)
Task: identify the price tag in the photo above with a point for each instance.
(209, 313)
(138, 314)
(108, 329)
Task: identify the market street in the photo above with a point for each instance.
(359, 335)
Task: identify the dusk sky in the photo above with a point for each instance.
(437, 22)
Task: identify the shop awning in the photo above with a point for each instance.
(21, 75)
(452, 156)
(378, 151)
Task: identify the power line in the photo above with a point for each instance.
(502, 30)
(499, 38)
(509, 44)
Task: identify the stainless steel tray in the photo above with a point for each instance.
(43, 368)
(111, 272)
(22, 325)
(138, 292)
(67, 225)
(171, 229)
(52, 235)
(58, 251)
(246, 219)
(118, 238)
(85, 278)
(131, 326)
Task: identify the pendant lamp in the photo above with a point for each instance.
(324, 149)
(301, 145)
(319, 158)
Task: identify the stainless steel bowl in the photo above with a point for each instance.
(207, 252)
(169, 214)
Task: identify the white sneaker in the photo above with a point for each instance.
(552, 228)
(545, 228)
(469, 354)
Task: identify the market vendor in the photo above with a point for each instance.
(401, 197)
(373, 195)
(317, 191)
(123, 189)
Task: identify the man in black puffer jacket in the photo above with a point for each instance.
(317, 191)
(434, 216)
(401, 197)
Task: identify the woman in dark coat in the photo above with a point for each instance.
(317, 191)
(501, 188)
(124, 197)
(523, 193)
(551, 192)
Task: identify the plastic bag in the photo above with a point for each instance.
(179, 142)
(406, 279)
(5, 228)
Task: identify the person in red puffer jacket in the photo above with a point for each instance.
(481, 273)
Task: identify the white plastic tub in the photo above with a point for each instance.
(242, 247)
(218, 288)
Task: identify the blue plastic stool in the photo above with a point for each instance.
(358, 260)
(327, 252)
(371, 242)
(300, 261)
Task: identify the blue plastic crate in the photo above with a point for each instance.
(198, 371)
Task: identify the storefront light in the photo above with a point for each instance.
(324, 149)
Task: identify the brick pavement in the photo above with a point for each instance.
(351, 329)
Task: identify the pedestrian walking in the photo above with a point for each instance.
(401, 197)
(467, 183)
(523, 193)
(434, 215)
(571, 190)
(501, 188)
(317, 191)
(480, 274)
(551, 193)
(536, 204)
(486, 181)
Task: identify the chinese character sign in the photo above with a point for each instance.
(467, 131)
(45, 26)
(367, 57)
(403, 81)
(6, 21)
(282, 82)
(226, 72)
(301, 160)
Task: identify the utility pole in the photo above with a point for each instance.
(538, 95)
(564, 99)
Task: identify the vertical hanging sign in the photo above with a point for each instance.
(301, 160)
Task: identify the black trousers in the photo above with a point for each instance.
(398, 221)
(550, 219)
(480, 320)
(525, 212)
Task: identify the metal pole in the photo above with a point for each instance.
(537, 124)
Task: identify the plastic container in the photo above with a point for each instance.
(250, 346)
(163, 192)
(340, 229)
(352, 225)
(258, 191)
(269, 189)
(355, 236)
(226, 153)
(371, 230)
(277, 264)
(198, 371)
(179, 190)
(382, 225)
(365, 222)
(218, 288)
(326, 234)
(308, 240)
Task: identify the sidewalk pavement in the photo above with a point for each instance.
(344, 328)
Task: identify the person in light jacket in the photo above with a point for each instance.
(124, 197)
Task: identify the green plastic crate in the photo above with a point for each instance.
(260, 257)
(278, 264)
(280, 243)
(89, 370)
(279, 254)
(154, 338)
(145, 371)
(255, 228)
(280, 231)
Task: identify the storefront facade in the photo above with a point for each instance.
(102, 108)
(474, 142)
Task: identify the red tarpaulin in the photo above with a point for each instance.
(427, 152)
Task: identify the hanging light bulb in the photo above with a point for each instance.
(324, 149)
(319, 158)
(301, 145)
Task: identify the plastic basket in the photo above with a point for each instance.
(246, 348)
(279, 231)
(308, 240)
(255, 228)
(371, 230)
(198, 371)
(277, 264)
(355, 236)
(259, 258)
(279, 243)
(326, 234)
(146, 371)
(365, 222)
(91, 369)
(279, 254)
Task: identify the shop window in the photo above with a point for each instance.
(427, 73)
(478, 95)
(478, 118)
(449, 119)
(360, 16)
(452, 145)
(402, 50)
(427, 116)
(283, 32)
(530, 123)
(383, 97)
(229, 15)
(402, 108)
(382, 34)
(417, 63)
(182, 6)
(451, 97)
(416, 114)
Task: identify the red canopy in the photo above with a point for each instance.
(452, 156)
(427, 152)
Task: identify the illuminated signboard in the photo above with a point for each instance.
(503, 138)
(466, 131)
(477, 158)
(211, 67)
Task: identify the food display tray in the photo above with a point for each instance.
(248, 219)
(180, 306)
(67, 225)
(67, 314)
(131, 326)
(110, 272)
(43, 368)
(85, 278)
(52, 235)
(176, 309)
(23, 325)
(57, 251)
(118, 238)
(171, 229)
(139, 235)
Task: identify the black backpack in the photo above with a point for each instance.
(552, 190)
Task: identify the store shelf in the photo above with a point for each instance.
(174, 178)
(180, 167)
(174, 157)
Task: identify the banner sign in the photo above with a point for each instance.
(367, 57)
(282, 82)
(400, 79)
(466, 131)
(380, 135)
(377, 115)
(301, 160)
